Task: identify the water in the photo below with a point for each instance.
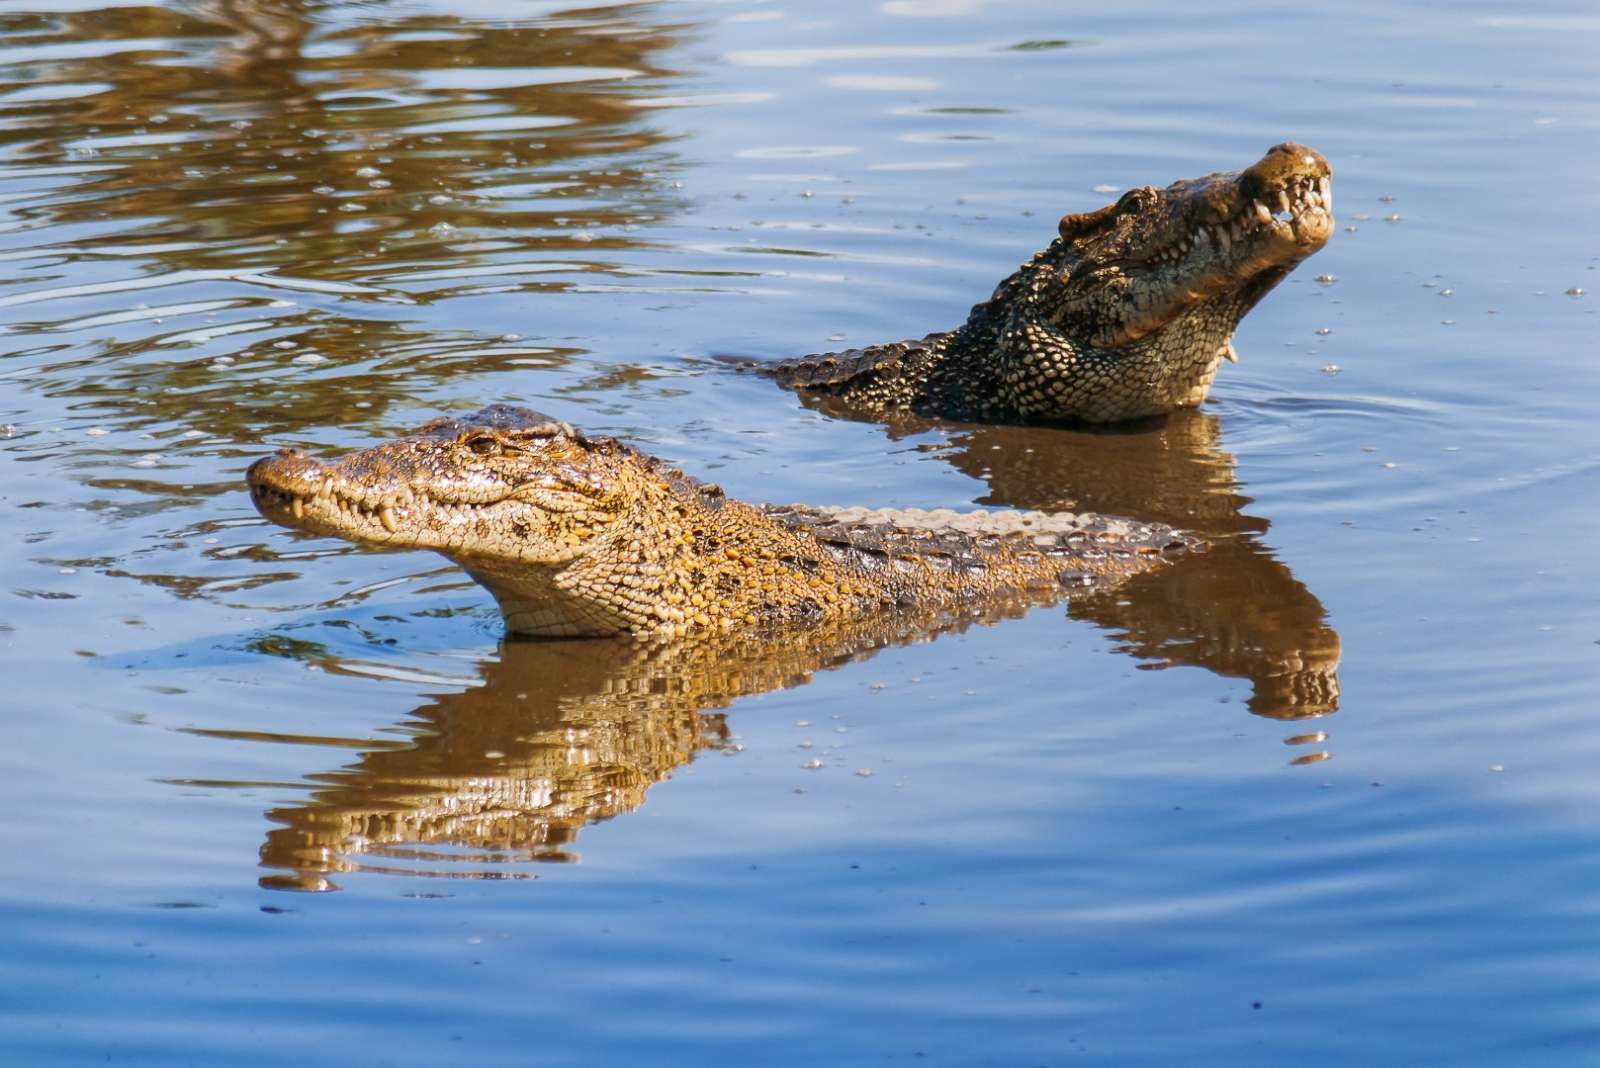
(1323, 794)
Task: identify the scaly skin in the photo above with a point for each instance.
(1128, 313)
(579, 536)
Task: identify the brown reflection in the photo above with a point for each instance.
(559, 735)
(360, 164)
(1236, 609)
(223, 130)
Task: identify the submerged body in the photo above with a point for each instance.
(1128, 313)
(583, 536)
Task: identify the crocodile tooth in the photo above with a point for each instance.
(1326, 188)
(386, 517)
(297, 505)
(1314, 199)
(1223, 240)
(1283, 200)
(1262, 212)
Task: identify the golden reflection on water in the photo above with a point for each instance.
(558, 735)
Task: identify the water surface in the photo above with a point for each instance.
(1323, 793)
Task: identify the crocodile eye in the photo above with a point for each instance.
(484, 445)
(1135, 200)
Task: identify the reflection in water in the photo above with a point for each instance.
(1235, 610)
(559, 734)
(242, 203)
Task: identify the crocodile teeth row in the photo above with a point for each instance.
(1296, 198)
(381, 511)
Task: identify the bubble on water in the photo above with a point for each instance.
(812, 765)
(1326, 279)
(310, 358)
(367, 172)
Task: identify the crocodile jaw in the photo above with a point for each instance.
(492, 486)
(1158, 256)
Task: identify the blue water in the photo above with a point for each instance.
(1078, 836)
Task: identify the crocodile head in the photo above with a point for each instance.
(503, 482)
(538, 513)
(1190, 259)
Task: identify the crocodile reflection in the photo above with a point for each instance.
(1235, 610)
(559, 735)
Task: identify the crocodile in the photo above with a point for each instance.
(1128, 313)
(583, 536)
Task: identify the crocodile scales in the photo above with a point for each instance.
(586, 536)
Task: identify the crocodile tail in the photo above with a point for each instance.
(825, 369)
